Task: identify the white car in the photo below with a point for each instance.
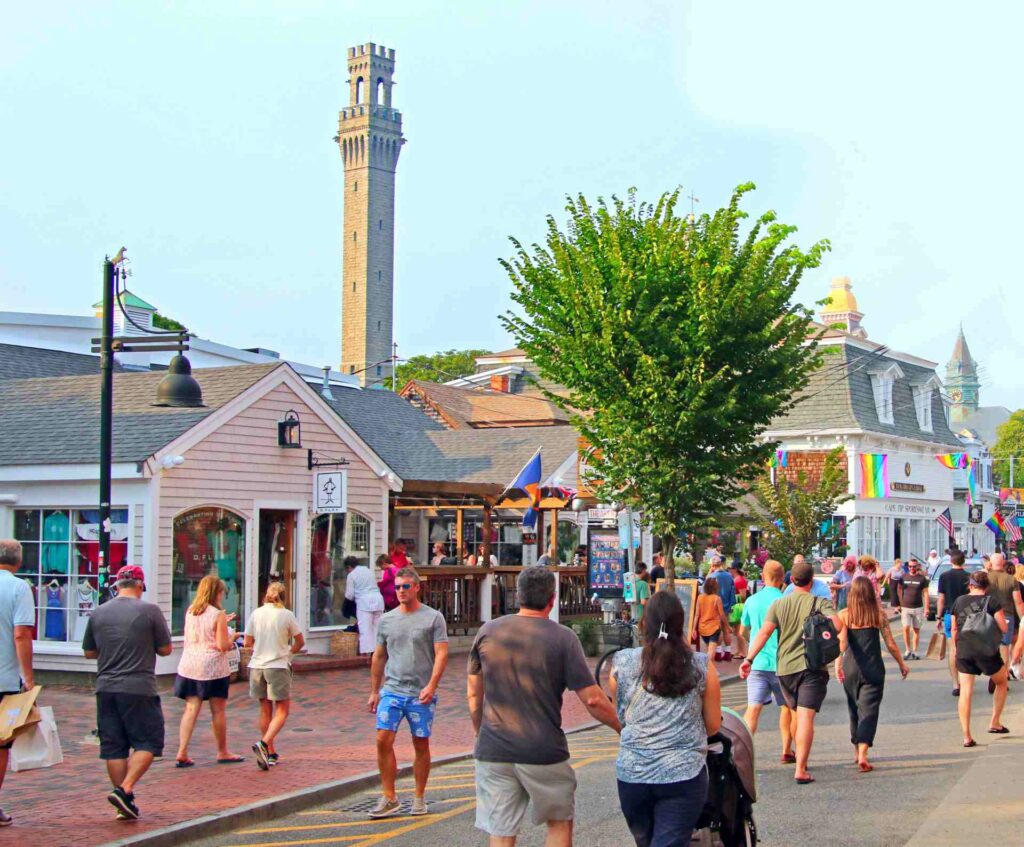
(970, 565)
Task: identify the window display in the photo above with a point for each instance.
(60, 563)
(334, 538)
(207, 541)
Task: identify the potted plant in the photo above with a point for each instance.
(586, 631)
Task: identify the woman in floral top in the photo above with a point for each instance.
(662, 778)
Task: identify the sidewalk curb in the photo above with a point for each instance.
(293, 801)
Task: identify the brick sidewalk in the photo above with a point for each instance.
(329, 736)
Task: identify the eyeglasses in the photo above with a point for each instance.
(403, 586)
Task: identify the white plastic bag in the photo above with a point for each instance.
(234, 660)
(38, 747)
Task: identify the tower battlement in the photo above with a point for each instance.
(371, 49)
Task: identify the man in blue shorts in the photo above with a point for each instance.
(411, 655)
(763, 682)
(953, 584)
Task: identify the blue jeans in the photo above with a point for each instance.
(663, 815)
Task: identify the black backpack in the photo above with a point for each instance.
(821, 641)
(979, 637)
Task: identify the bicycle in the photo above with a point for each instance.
(625, 633)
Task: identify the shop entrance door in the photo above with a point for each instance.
(897, 539)
(277, 551)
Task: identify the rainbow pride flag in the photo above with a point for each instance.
(953, 461)
(874, 475)
(972, 484)
(997, 523)
(779, 460)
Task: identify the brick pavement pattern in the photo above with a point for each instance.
(329, 736)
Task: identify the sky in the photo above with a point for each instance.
(199, 135)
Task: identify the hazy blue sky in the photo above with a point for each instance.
(199, 134)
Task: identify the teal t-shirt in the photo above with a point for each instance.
(754, 612)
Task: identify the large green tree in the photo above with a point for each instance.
(678, 342)
(438, 367)
(797, 514)
(1009, 442)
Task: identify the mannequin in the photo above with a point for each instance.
(56, 620)
(84, 600)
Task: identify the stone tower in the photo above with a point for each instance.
(962, 383)
(370, 140)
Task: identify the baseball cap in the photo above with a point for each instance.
(131, 572)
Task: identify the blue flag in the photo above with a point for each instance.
(529, 481)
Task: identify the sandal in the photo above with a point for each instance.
(1001, 731)
(803, 780)
(183, 763)
(233, 760)
(865, 767)
(971, 743)
(787, 759)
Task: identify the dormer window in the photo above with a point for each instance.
(923, 392)
(882, 381)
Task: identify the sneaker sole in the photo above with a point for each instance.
(7, 822)
(418, 812)
(120, 805)
(390, 813)
(261, 757)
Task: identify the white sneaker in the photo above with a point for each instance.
(385, 808)
(419, 806)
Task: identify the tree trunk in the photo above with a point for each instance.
(668, 557)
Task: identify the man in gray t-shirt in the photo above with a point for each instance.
(125, 635)
(410, 659)
(518, 670)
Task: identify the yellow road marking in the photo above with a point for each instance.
(368, 822)
(432, 801)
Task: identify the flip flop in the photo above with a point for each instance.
(971, 743)
(787, 759)
(1001, 731)
(234, 760)
(183, 763)
(803, 780)
(865, 768)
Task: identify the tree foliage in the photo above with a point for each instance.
(438, 367)
(166, 323)
(678, 342)
(1009, 442)
(797, 516)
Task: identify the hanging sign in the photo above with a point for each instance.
(330, 492)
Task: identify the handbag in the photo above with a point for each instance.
(39, 746)
(348, 608)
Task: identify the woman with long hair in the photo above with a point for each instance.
(203, 673)
(712, 624)
(662, 779)
(387, 569)
(867, 566)
(859, 666)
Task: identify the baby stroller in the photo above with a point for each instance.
(728, 819)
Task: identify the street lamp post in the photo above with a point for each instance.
(106, 413)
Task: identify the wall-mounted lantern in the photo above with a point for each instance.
(289, 430)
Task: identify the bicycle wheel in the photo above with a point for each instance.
(602, 673)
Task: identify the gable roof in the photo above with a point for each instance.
(480, 408)
(20, 362)
(57, 420)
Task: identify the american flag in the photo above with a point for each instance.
(1013, 529)
(946, 520)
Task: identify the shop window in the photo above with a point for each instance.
(207, 541)
(334, 538)
(60, 563)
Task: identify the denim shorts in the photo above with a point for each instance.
(762, 686)
(1011, 630)
(393, 707)
(947, 624)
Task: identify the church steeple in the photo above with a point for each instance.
(962, 383)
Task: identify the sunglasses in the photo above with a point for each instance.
(403, 586)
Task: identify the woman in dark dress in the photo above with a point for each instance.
(859, 666)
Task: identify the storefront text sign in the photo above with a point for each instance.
(330, 492)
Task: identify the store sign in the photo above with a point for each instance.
(890, 508)
(601, 515)
(330, 492)
(975, 513)
(913, 487)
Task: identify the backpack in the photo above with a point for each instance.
(979, 637)
(821, 641)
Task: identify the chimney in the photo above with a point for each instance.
(499, 383)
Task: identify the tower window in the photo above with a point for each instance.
(378, 276)
(378, 326)
(353, 286)
(351, 369)
(380, 89)
(355, 187)
(359, 90)
(353, 236)
(378, 370)
(380, 224)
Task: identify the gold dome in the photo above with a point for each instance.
(840, 299)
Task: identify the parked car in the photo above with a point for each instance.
(971, 565)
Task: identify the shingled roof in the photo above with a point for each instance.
(20, 362)
(480, 408)
(57, 420)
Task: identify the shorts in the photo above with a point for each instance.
(1011, 630)
(804, 690)
(393, 707)
(270, 684)
(7, 745)
(762, 686)
(129, 722)
(981, 666)
(715, 636)
(505, 789)
(204, 689)
(913, 618)
(947, 624)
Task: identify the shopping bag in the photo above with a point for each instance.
(39, 745)
(234, 660)
(937, 647)
(17, 713)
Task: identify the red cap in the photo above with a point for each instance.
(130, 572)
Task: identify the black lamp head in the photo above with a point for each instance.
(179, 387)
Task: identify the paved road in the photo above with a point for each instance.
(918, 757)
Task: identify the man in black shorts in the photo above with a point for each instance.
(803, 688)
(125, 635)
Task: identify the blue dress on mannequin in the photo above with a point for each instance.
(56, 617)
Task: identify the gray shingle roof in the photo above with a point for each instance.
(840, 396)
(20, 362)
(56, 420)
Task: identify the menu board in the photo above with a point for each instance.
(606, 562)
(686, 591)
